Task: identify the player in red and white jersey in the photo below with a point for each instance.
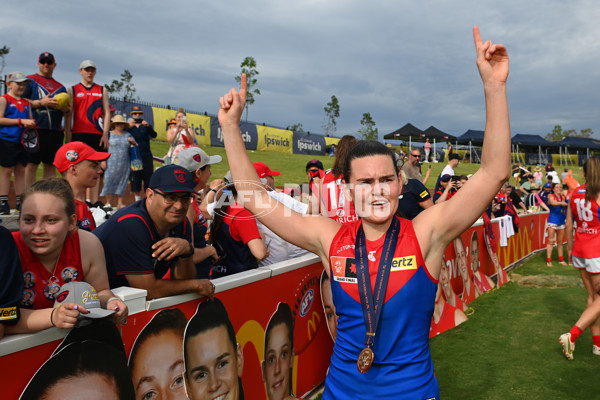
(584, 250)
(333, 202)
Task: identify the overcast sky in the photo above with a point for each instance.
(401, 61)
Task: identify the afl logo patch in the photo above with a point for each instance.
(180, 175)
(72, 155)
(62, 296)
(307, 302)
(80, 94)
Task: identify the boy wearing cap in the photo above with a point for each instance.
(15, 117)
(89, 104)
(198, 163)
(142, 132)
(149, 239)
(79, 164)
(41, 91)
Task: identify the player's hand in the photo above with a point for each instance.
(231, 105)
(170, 248)
(145, 123)
(28, 123)
(492, 60)
(206, 288)
(49, 102)
(104, 142)
(65, 316)
(120, 316)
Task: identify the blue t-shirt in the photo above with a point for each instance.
(128, 237)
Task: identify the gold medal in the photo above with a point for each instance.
(365, 360)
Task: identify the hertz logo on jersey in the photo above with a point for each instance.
(404, 263)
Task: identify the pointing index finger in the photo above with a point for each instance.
(244, 86)
(477, 36)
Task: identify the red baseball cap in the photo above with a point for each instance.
(75, 152)
(262, 170)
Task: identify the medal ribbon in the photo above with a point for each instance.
(372, 306)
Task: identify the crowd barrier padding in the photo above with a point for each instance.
(251, 298)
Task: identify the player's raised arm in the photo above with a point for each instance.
(313, 233)
(437, 226)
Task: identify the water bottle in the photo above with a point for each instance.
(136, 158)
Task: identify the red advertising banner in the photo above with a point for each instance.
(280, 341)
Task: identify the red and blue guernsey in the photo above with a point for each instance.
(585, 213)
(87, 106)
(39, 87)
(15, 109)
(402, 366)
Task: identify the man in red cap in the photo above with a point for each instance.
(41, 91)
(80, 165)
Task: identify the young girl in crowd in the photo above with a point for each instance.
(392, 360)
(54, 252)
(15, 117)
(557, 203)
(118, 168)
(584, 248)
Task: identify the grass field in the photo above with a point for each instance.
(509, 347)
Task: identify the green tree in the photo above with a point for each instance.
(249, 68)
(3, 52)
(332, 112)
(295, 128)
(558, 133)
(368, 130)
(123, 87)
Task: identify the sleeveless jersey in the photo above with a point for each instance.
(447, 321)
(87, 109)
(558, 214)
(85, 218)
(15, 109)
(334, 202)
(402, 367)
(42, 285)
(586, 215)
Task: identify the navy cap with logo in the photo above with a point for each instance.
(314, 163)
(45, 56)
(172, 178)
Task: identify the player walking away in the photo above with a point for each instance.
(584, 250)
